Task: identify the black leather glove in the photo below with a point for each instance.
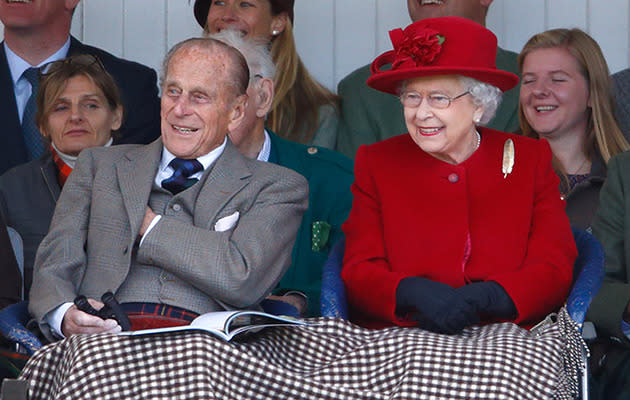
(488, 298)
(436, 306)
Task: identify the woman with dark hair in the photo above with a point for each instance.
(78, 106)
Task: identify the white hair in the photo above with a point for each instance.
(255, 51)
(484, 95)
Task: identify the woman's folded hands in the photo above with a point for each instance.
(438, 307)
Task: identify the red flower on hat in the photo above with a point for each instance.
(418, 49)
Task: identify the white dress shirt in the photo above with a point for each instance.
(265, 151)
(21, 87)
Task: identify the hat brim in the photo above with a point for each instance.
(389, 81)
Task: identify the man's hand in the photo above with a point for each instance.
(148, 217)
(76, 321)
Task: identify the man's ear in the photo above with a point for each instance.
(486, 3)
(264, 97)
(237, 113)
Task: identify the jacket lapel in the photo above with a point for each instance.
(12, 147)
(136, 173)
(228, 176)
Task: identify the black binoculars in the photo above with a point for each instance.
(111, 309)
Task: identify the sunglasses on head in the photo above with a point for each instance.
(82, 61)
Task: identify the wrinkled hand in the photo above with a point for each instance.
(148, 217)
(488, 298)
(436, 306)
(76, 321)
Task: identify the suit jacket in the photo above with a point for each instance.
(28, 195)
(369, 116)
(329, 175)
(414, 215)
(93, 234)
(139, 92)
(611, 228)
(11, 283)
(621, 86)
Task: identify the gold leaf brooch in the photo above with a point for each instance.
(508, 158)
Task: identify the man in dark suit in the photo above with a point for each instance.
(185, 222)
(37, 32)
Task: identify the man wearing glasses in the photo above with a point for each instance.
(37, 32)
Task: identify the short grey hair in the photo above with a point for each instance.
(484, 95)
(238, 72)
(255, 51)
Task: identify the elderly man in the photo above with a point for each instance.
(182, 226)
(329, 176)
(37, 32)
(366, 114)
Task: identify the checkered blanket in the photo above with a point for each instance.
(331, 359)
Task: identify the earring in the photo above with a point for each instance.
(476, 120)
(275, 32)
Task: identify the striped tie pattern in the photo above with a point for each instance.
(182, 170)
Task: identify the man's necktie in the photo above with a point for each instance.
(32, 137)
(180, 180)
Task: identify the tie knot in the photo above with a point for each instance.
(32, 76)
(186, 167)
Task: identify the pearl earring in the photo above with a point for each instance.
(275, 32)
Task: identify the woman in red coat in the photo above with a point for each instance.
(453, 224)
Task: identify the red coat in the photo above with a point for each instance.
(412, 215)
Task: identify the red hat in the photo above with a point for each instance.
(440, 46)
(203, 6)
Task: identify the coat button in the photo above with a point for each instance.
(126, 249)
(177, 207)
(453, 178)
(312, 150)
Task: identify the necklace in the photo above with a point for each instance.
(478, 143)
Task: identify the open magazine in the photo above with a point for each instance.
(226, 324)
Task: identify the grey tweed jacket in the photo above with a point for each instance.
(92, 240)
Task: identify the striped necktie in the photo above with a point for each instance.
(182, 170)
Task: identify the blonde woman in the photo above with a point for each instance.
(566, 98)
(303, 110)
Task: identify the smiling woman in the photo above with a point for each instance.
(566, 98)
(78, 106)
(303, 110)
(453, 224)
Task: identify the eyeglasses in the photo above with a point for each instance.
(81, 61)
(435, 100)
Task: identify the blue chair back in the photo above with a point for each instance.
(333, 297)
(588, 277)
(588, 274)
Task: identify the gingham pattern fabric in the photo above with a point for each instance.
(331, 360)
